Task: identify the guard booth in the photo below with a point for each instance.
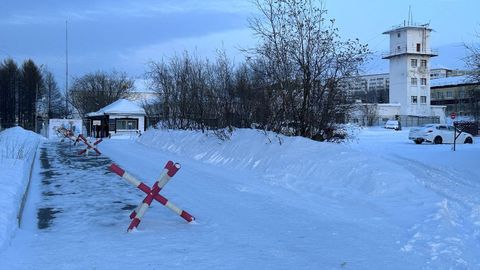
(119, 118)
(98, 126)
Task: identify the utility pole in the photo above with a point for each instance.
(36, 108)
(66, 69)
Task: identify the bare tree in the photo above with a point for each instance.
(369, 113)
(473, 59)
(94, 91)
(291, 83)
(305, 61)
(52, 105)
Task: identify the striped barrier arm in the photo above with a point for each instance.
(182, 213)
(168, 172)
(68, 134)
(130, 178)
(89, 145)
(142, 208)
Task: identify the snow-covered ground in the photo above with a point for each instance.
(17, 150)
(261, 201)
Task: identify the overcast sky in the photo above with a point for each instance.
(126, 35)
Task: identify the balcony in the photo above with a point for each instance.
(409, 50)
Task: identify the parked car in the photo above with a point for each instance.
(438, 134)
(393, 124)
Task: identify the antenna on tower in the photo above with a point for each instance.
(410, 16)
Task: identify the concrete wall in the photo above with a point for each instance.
(398, 81)
(74, 124)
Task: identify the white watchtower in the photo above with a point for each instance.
(409, 58)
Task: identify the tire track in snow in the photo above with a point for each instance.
(452, 232)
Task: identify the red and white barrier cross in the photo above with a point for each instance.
(89, 145)
(152, 193)
(68, 134)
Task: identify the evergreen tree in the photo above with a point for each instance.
(29, 91)
(9, 79)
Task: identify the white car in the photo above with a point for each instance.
(438, 134)
(392, 124)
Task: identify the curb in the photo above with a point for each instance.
(25, 194)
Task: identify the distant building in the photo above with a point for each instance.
(437, 73)
(374, 88)
(456, 93)
(120, 117)
(408, 80)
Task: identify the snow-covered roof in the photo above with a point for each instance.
(450, 81)
(121, 106)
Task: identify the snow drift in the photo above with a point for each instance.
(17, 151)
(298, 164)
(381, 186)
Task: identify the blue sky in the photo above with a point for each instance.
(126, 35)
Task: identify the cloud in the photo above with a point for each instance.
(205, 46)
(124, 9)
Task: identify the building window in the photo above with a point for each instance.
(413, 81)
(413, 63)
(131, 124)
(449, 94)
(414, 99)
(423, 81)
(418, 47)
(398, 34)
(423, 63)
(423, 99)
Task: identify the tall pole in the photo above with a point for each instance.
(36, 108)
(66, 69)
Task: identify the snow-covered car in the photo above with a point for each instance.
(392, 124)
(438, 134)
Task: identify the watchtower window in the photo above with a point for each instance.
(423, 63)
(413, 63)
(418, 47)
(413, 81)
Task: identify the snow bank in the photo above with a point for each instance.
(17, 151)
(296, 163)
(385, 183)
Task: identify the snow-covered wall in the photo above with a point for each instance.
(17, 151)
